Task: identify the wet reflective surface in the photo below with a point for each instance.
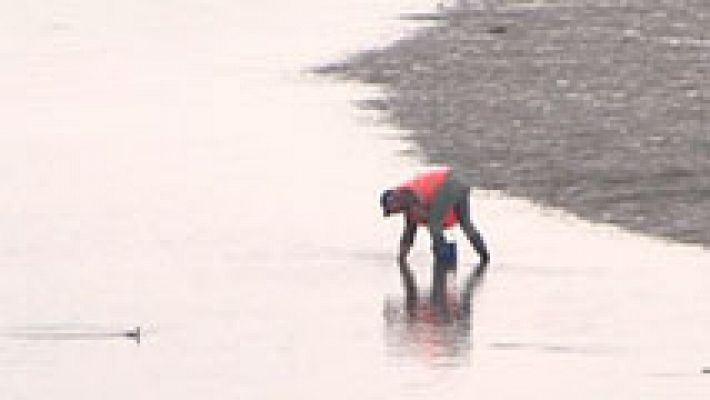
(205, 189)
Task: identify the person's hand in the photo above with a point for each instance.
(410, 287)
(411, 300)
(411, 297)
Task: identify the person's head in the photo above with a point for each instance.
(394, 201)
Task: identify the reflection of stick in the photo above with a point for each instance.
(134, 334)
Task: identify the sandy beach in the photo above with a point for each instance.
(599, 108)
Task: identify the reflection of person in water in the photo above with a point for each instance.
(424, 336)
(438, 200)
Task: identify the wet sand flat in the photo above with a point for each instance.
(600, 108)
(172, 166)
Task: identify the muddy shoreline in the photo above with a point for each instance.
(603, 111)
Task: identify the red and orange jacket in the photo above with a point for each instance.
(426, 186)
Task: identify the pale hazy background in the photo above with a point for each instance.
(169, 165)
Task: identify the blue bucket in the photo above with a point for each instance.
(447, 256)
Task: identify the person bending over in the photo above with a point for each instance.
(439, 201)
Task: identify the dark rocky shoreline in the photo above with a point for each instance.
(603, 111)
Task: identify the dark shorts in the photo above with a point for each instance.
(453, 194)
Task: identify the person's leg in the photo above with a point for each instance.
(463, 210)
(438, 284)
(447, 196)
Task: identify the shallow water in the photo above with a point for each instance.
(170, 166)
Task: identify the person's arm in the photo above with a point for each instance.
(405, 245)
(407, 240)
